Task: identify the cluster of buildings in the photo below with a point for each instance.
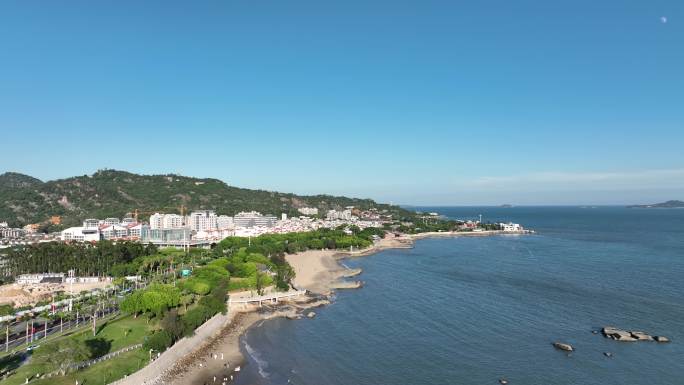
(10, 232)
(201, 227)
(11, 236)
(204, 227)
(94, 230)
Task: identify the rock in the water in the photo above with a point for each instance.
(562, 346)
(594, 332)
(608, 354)
(311, 314)
(661, 339)
(623, 336)
(617, 334)
(503, 381)
(641, 336)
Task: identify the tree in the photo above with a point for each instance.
(155, 299)
(62, 354)
(284, 275)
(260, 278)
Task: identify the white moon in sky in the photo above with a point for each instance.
(663, 19)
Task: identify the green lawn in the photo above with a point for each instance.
(104, 372)
(120, 333)
(111, 336)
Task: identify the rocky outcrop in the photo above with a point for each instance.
(310, 314)
(629, 335)
(617, 334)
(562, 346)
(641, 336)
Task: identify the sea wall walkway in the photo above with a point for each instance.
(155, 370)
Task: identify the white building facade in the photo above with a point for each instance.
(308, 210)
(205, 220)
(166, 221)
(510, 226)
(254, 219)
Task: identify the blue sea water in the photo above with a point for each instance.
(473, 310)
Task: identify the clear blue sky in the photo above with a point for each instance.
(422, 102)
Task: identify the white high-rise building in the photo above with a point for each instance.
(202, 220)
(253, 218)
(172, 221)
(166, 221)
(224, 222)
(156, 221)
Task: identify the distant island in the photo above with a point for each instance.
(673, 204)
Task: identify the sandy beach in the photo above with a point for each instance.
(216, 360)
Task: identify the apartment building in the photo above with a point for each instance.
(166, 221)
(224, 222)
(204, 220)
(253, 219)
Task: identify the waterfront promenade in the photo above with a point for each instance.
(154, 372)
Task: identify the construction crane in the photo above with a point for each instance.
(135, 212)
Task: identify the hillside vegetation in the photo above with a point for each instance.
(111, 193)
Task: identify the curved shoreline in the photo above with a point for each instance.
(214, 349)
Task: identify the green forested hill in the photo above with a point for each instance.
(111, 193)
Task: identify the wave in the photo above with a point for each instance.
(261, 363)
